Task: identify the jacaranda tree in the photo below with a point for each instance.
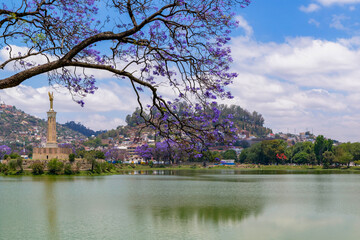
(176, 44)
(114, 154)
(4, 150)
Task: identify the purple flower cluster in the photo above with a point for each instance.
(4, 150)
(114, 154)
(68, 145)
(167, 150)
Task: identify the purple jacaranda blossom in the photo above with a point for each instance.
(182, 45)
(4, 150)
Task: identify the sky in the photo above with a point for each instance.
(298, 65)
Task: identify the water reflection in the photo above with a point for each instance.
(51, 208)
(217, 215)
(236, 172)
(181, 205)
(206, 199)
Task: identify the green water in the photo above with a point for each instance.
(182, 205)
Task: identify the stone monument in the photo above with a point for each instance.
(51, 150)
(51, 125)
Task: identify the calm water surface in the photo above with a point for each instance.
(182, 205)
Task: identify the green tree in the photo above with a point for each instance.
(16, 164)
(99, 155)
(13, 165)
(37, 168)
(4, 169)
(243, 156)
(346, 158)
(80, 153)
(72, 157)
(271, 148)
(344, 155)
(134, 119)
(209, 156)
(68, 169)
(319, 148)
(19, 163)
(301, 158)
(254, 154)
(328, 159)
(14, 155)
(355, 151)
(322, 145)
(299, 153)
(91, 158)
(312, 159)
(55, 166)
(97, 168)
(93, 142)
(229, 154)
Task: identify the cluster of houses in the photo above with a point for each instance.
(127, 145)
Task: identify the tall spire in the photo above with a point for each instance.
(51, 141)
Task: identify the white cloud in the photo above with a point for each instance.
(102, 110)
(245, 25)
(305, 61)
(337, 22)
(109, 97)
(98, 122)
(350, 43)
(14, 51)
(302, 83)
(310, 8)
(337, 2)
(314, 22)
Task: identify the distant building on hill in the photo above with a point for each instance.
(244, 134)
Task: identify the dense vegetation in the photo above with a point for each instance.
(82, 129)
(321, 152)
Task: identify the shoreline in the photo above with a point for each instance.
(245, 168)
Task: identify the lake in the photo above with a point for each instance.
(224, 204)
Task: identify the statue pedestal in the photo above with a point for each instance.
(51, 141)
(51, 145)
(49, 153)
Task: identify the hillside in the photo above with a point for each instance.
(242, 118)
(252, 123)
(78, 127)
(17, 127)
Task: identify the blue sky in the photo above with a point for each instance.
(277, 20)
(298, 65)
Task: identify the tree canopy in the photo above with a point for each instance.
(151, 44)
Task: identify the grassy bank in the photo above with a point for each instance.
(143, 169)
